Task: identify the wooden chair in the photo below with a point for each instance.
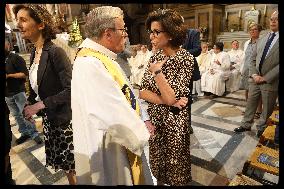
(241, 179)
(267, 136)
(274, 118)
(253, 164)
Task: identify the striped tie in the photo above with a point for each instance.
(268, 43)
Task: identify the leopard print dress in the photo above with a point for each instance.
(169, 148)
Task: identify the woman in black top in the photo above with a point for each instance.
(50, 86)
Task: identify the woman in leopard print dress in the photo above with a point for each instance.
(165, 86)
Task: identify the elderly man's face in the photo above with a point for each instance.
(119, 36)
(235, 45)
(254, 32)
(274, 22)
(7, 46)
(216, 50)
(144, 48)
(204, 48)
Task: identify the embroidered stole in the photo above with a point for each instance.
(134, 160)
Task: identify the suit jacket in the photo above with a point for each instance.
(270, 66)
(192, 45)
(54, 83)
(192, 42)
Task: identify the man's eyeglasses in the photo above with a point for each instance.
(154, 32)
(273, 19)
(124, 30)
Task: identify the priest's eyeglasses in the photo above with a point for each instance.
(124, 30)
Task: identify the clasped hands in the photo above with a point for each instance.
(212, 72)
(181, 103)
(258, 79)
(31, 110)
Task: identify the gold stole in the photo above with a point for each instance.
(134, 160)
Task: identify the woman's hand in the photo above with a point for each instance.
(182, 102)
(150, 127)
(31, 110)
(157, 65)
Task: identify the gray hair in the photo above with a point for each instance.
(100, 19)
(253, 24)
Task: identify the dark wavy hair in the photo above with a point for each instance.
(171, 22)
(219, 45)
(48, 32)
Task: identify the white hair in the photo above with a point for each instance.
(100, 19)
(274, 14)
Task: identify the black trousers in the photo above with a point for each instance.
(7, 141)
(8, 176)
(195, 77)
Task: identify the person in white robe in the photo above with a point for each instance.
(237, 61)
(109, 135)
(213, 80)
(140, 63)
(133, 63)
(203, 61)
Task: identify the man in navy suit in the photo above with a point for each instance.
(192, 45)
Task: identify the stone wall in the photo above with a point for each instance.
(216, 18)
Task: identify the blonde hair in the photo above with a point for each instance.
(253, 24)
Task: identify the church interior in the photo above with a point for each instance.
(219, 156)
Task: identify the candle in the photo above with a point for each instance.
(264, 12)
(226, 15)
(240, 13)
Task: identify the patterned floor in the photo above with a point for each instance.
(218, 154)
